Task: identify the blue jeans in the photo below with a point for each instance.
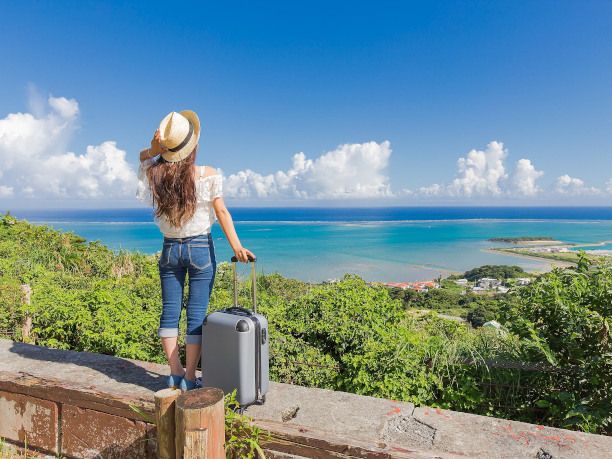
(194, 256)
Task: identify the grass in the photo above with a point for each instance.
(9, 451)
(563, 256)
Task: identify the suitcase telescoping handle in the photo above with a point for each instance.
(252, 260)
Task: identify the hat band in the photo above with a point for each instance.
(184, 142)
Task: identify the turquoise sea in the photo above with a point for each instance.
(399, 244)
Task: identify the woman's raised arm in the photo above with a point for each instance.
(227, 225)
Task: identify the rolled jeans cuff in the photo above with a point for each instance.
(193, 339)
(168, 332)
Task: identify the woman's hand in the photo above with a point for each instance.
(243, 254)
(157, 147)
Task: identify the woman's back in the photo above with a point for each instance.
(208, 186)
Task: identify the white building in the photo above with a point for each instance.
(488, 283)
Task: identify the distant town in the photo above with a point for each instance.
(484, 285)
(542, 247)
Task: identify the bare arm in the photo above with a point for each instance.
(227, 225)
(156, 148)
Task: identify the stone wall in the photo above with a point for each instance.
(52, 416)
(78, 403)
(55, 417)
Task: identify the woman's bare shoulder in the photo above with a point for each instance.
(208, 172)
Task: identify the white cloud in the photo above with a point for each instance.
(482, 174)
(34, 162)
(67, 109)
(432, 191)
(522, 179)
(350, 171)
(101, 172)
(568, 186)
(6, 191)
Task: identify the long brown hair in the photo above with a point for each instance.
(173, 189)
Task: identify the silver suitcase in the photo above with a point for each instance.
(235, 349)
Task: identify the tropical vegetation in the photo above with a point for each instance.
(493, 272)
(522, 239)
(550, 363)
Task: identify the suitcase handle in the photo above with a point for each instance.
(254, 287)
(241, 310)
(251, 259)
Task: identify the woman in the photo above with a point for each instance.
(186, 198)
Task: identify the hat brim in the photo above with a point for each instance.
(174, 156)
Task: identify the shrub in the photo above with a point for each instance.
(494, 272)
(345, 335)
(565, 319)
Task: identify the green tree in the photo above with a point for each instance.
(408, 297)
(479, 315)
(565, 318)
(494, 272)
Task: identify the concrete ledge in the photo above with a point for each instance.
(88, 397)
(399, 426)
(71, 393)
(298, 442)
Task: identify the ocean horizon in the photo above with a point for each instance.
(380, 244)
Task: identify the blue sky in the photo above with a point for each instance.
(312, 103)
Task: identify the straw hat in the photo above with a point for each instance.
(180, 133)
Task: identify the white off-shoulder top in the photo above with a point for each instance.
(207, 189)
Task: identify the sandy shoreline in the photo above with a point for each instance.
(559, 243)
(591, 244)
(548, 262)
(442, 270)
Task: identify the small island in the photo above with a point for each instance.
(540, 248)
(526, 240)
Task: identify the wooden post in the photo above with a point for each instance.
(196, 443)
(200, 424)
(26, 322)
(164, 419)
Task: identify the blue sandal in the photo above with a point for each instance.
(174, 381)
(188, 384)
